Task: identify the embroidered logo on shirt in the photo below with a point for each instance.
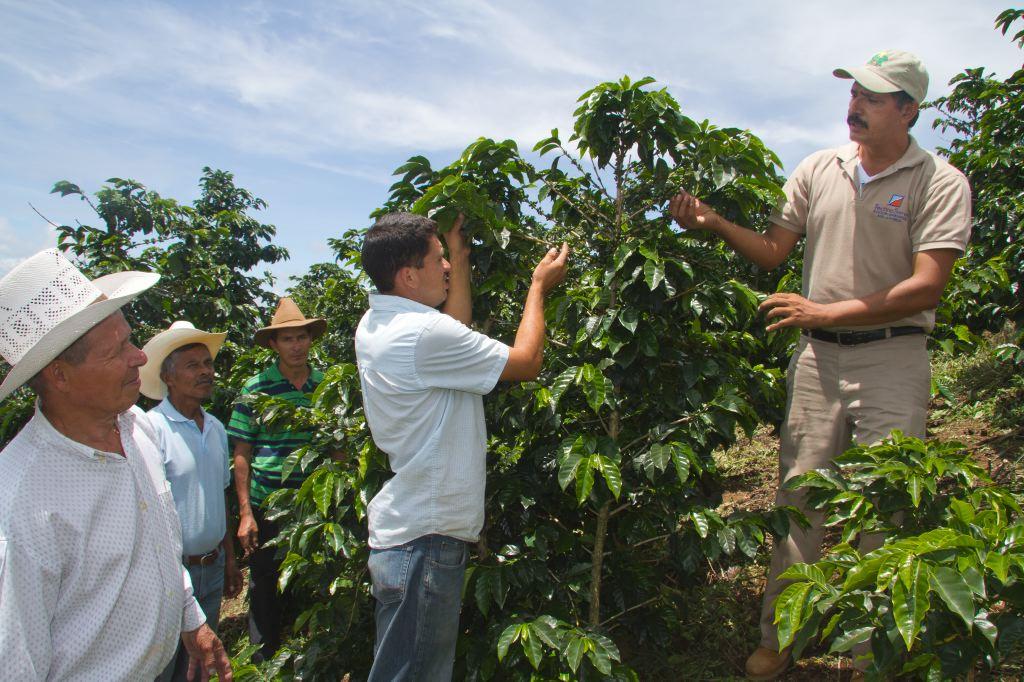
(892, 210)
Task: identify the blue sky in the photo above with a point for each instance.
(312, 104)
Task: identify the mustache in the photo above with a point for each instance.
(854, 119)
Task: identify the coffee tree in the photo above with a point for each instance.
(205, 254)
(943, 595)
(983, 115)
(602, 492)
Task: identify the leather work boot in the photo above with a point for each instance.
(767, 664)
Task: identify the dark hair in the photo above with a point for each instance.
(272, 334)
(396, 241)
(167, 366)
(74, 354)
(902, 100)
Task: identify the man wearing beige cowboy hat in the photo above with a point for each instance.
(194, 447)
(884, 222)
(259, 454)
(91, 581)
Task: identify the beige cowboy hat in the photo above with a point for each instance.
(288, 316)
(180, 333)
(46, 304)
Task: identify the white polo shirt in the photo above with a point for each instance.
(196, 466)
(423, 375)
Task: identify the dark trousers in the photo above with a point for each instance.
(265, 602)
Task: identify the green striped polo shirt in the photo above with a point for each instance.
(271, 448)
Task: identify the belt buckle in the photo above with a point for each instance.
(846, 339)
(208, 558)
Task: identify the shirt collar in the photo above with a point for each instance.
(167, 409)
(50, 433)
(398, 304)
(848, 159)
(273, 373)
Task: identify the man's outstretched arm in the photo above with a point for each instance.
(765, 249)
(527, 353)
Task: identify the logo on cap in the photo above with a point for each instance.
(879, 59)
(896, 200)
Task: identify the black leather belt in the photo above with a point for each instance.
(859, 337)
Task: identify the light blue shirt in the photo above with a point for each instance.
(423, 375)
(196, 465)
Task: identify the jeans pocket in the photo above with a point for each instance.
(447, 552)
(389, 572)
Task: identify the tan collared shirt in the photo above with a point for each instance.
(862, 239)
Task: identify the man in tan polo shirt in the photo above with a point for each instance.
(884, 222)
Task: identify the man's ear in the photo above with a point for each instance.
(407, 279)
(56, 374)
(910, 110)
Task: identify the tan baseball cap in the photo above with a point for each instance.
(890, 71)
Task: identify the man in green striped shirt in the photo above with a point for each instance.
(260, 453)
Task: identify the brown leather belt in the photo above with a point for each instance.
(855, 338)
(202, 559)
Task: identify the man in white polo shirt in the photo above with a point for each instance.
(423, 374)
(884, 222)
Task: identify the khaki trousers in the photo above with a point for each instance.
(838, 395)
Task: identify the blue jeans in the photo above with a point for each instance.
(208, 589)
(418, 587)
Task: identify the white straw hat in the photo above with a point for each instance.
(46, 304)
(180, 333)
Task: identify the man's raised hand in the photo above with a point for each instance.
(454, 238)
(551, 268)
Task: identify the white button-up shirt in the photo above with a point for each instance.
(423, 374)
(91, 581)
(196, 465)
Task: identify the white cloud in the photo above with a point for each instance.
(337, 79)
(16, 246)
(346, 91)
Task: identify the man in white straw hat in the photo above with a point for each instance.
(91, 581)
(259, 454)
(194, 446)
(884, 222)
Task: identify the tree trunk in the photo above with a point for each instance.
(614, 426)
(600, 533)
(598, 562)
